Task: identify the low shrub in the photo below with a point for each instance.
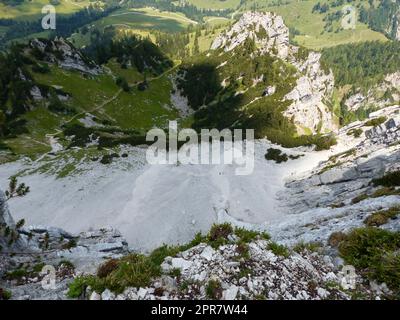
(77, 288)
(374, 252)
(276, 155)
(16, 274)
(134, 270)
(390, 179)
(108, 158)
(311, 246)
(356, 133)
(359, 198)
(107, 267)
(67, 264)
(5, 294)
(336, 238)
(214, 290)
(218, 234)
(375, 122)
(382, 217)
(386, 191)
(278, 249)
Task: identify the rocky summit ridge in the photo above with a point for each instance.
(314, 85)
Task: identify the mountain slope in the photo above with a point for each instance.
(256, 79)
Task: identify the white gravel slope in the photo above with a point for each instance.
(152, 205)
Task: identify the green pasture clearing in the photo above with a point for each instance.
(146, 19)
(32, 10)
(299, 15)
(215, 4)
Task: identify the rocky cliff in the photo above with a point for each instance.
(379, 96)
(338, 194)
(314, 85)
(61, 52)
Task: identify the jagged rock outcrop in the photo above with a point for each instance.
(269, 275)
(308, 109)
(52, 246)
(267, 29)
(379, 96)
(314, 86)
(70, 255)
(262, 275)
(338, 194)
(386, 133)
(62, 53)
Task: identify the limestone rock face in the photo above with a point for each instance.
(307, 110)
(338, 195)
(267, 29)
(396, 26)
(386, 133)
(380, 96)
(61, 52)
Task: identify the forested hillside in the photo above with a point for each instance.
(383, 17)
(362, 64)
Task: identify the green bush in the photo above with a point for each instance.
(159, 254)
(134, 270)
(17, 274)
(218, 234)
(311, 246)
(388, 180)
(278, 249)
(122, 83)
(250, 235)
(276, 155)
(5, 294)
(375, 252)
(382, 217)
(214, 290)
(356, 133)
(78, 286)
(375, 122)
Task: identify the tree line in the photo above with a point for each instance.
(66, 25)
(362, 64)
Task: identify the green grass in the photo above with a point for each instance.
(390, 179)
(137, 270)
(375, 122)
(298, 14)
(215, 4)
(101, 97)
(31, 10)
(381, 217)
(87, 93)
(216, 21)
(278, 249)
(146, 19)
(214, 289)
(374, 252)
(130, 74)
(40, 122)
(143, 109)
